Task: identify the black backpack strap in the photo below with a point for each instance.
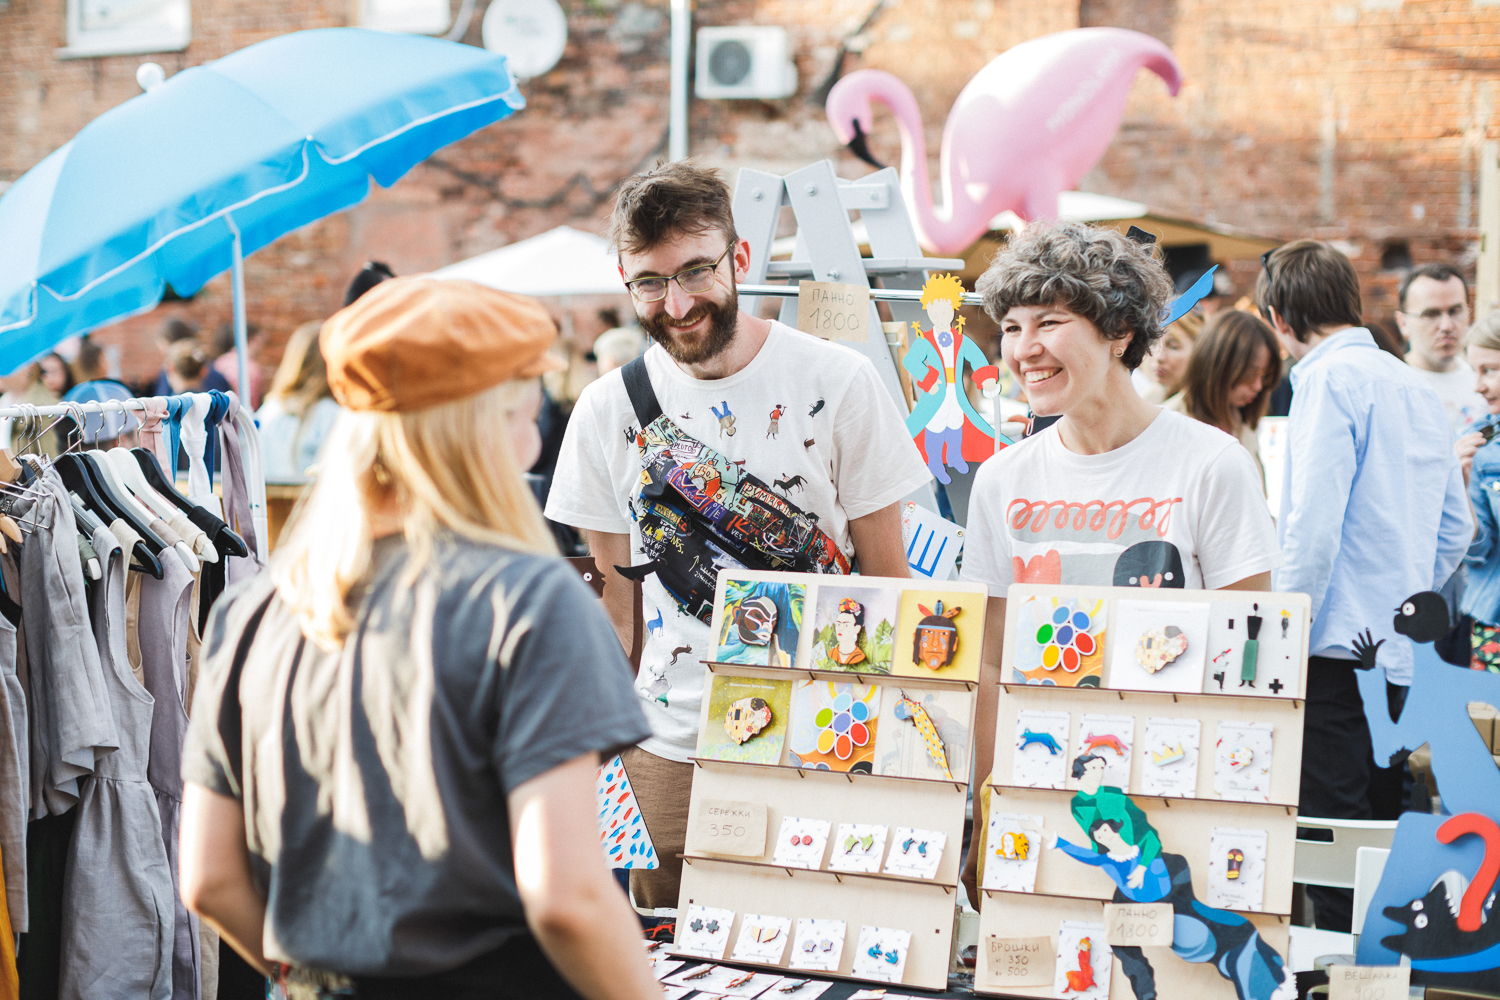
(642, 396)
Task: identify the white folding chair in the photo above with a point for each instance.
(1328, 854)
(1369, 865)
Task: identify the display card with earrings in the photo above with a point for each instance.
(703, 931)
(864, 769)
(1174, 719)
(915, 852)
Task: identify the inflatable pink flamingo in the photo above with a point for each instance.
(1029, 125)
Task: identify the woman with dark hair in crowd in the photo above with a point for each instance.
(1234, 367)
(56, 375)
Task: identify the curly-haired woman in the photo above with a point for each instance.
(1118, 492)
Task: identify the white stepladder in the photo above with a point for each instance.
(827, 249)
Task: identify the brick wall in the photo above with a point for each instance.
(1354, 121)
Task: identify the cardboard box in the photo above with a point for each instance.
(1485, 720)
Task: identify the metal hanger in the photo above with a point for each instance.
(79, 474)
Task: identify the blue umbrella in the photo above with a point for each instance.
(177, 184)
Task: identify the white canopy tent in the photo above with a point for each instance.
(560, 262)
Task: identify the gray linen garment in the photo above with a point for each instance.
(73, 727)
(119, 910)
(14, 779)
(238, 513)
(161, 633)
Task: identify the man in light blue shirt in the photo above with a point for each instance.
(1374, 510)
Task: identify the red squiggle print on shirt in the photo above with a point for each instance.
(1110, 517)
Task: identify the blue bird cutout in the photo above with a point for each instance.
(1197, 292)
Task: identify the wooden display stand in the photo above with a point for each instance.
(897, 784)
(1130, 705)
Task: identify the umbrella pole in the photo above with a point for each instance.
(241, 343)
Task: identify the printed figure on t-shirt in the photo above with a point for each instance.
(775, 420)
(1152, 564)
(725, 417)
(657, 685)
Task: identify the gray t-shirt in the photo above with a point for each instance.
(374, 778)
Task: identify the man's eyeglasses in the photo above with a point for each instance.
(1459, 314)
(693, 280)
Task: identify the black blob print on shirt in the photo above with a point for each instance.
(1150, 564)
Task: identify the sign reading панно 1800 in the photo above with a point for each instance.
(832, 310)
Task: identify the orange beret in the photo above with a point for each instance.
(411, 343)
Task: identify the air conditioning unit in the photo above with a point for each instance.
(745, 62)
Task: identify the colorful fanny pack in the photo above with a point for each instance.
(699, 513)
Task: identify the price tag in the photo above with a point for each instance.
(833, 311)
(721, 826)
(1025, 961)
(1143, 925)
(1369, 982)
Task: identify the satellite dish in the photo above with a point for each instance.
(531, 34)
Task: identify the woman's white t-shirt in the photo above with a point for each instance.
(1179, 506)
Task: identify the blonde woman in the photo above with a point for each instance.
(1166, 366)
(299, 410)
(1480, 459)
(396, 729)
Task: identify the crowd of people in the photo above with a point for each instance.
(389, 779)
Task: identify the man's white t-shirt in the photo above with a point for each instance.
(1179, 506)
(1455, 388)
(839, 438)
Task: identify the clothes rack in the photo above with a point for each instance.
(139, 404)
(96, 678)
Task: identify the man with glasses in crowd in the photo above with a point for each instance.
(1433, 315)
(808, 416)
(1373, 511)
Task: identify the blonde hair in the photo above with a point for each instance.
(302, 377)
(1485, 333)
(943, 286)
(1190, 323)
(443, 468)
(187, 360)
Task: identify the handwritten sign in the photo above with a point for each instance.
(833, 311)
(1142, 925)
(1369, 982)
(721, 826)
(1024, 961)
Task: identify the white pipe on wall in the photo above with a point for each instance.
(677, 120)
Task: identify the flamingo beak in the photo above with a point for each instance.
(860, 147)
